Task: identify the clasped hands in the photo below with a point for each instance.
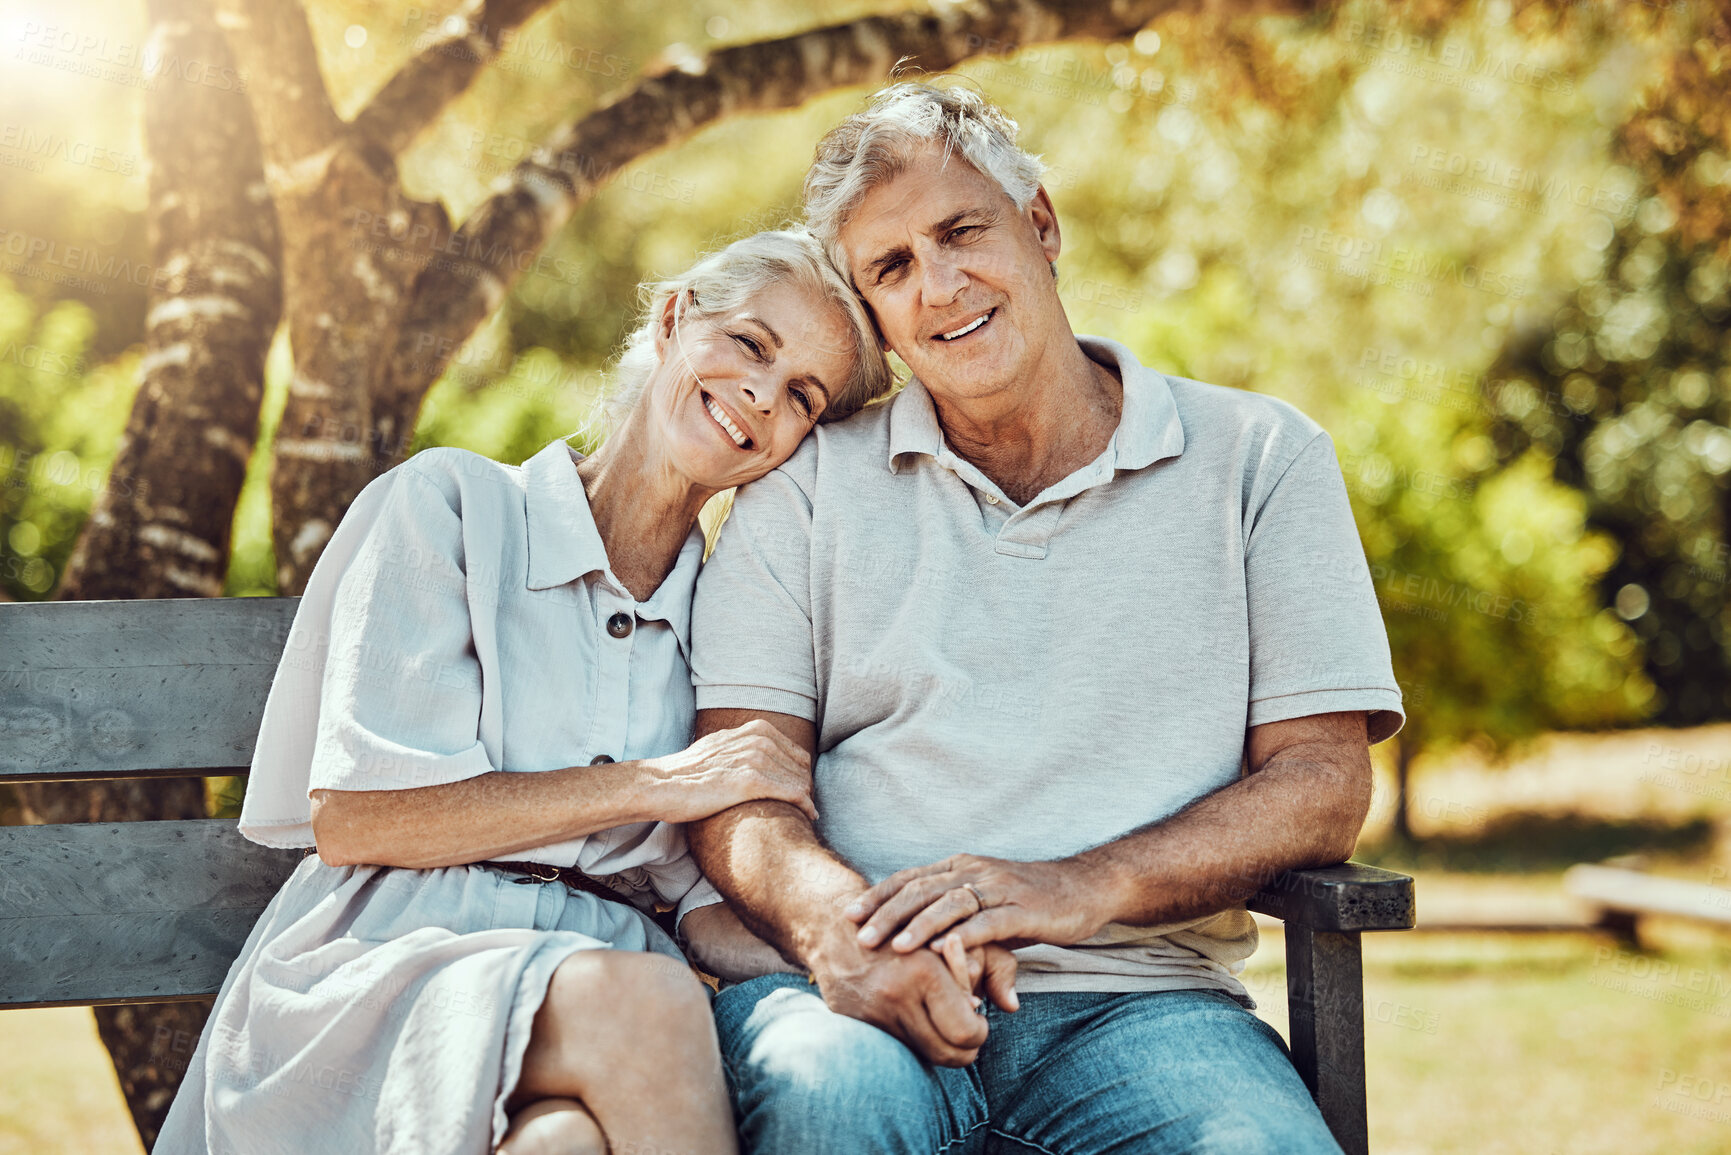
(949, 929)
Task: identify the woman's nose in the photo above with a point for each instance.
(759, 392)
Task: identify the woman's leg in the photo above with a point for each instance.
(627, 1036)
(553, 1127)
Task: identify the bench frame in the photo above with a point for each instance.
(143, 912)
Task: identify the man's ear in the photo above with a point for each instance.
(1044, 218)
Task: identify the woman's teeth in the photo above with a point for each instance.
(966, 329)
(720, 416)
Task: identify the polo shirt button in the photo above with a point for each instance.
(619, 625)
(991, 499)
(599, 759)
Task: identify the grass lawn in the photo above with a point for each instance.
(1539, 1045)
(58, 1092)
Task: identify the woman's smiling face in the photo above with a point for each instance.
(734, 393)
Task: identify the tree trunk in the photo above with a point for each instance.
(161, 526)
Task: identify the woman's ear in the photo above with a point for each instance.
(666, 323)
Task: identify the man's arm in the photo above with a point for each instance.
(1302, 804)
(789, 889)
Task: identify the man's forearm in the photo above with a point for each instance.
(786, 886)
(1303, 808)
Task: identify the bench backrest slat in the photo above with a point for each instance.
(134, 689)
(115, 912)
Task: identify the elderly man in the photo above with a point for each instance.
(1082, 652)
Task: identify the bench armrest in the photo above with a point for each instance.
(1347, 897)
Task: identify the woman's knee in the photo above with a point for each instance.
(638, 996)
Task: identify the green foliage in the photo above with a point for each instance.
(1487, 579)
(60, 421)
(1628, 385)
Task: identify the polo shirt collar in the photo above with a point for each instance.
(1148, 428)
(565, 545)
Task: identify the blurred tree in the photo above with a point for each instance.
(159, 524)
(1627, 386)
(1487, 581)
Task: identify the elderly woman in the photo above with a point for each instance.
(481, 721)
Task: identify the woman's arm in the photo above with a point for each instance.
(715, 939)
(494, 815)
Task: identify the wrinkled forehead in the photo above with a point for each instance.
(927, 191)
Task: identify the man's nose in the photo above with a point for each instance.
(941, 280)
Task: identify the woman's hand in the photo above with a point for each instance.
(723, 769)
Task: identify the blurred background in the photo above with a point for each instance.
(1487, 245)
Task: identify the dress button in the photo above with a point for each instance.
(599, 759)
(619, 625)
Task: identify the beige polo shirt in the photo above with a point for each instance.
(1030, 681)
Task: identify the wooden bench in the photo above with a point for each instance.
(1621, 898)
(141, 912)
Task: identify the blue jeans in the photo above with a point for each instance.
(1154, 1073)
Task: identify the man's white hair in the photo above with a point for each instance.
(877, 145)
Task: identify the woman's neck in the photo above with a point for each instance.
(643, 508)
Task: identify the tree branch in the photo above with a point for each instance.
(544, 190)
(296, 123)
(413, 98)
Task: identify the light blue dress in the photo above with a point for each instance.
(461, 620)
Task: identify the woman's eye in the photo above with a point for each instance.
(751, 346)
(802, 399)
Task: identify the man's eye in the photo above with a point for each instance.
(957, 232)
(886, 271)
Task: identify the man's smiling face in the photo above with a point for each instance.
(959, 280)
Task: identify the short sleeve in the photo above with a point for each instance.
(751, 634)
(1317, 640)
(400, 702)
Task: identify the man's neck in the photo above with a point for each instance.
(1031, 437)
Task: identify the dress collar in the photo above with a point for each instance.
(564, 544)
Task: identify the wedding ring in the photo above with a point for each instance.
(975, 891)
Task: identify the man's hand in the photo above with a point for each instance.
(982, 901)
(916, 996)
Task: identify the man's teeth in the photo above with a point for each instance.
(720, 416)
(965, 329)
